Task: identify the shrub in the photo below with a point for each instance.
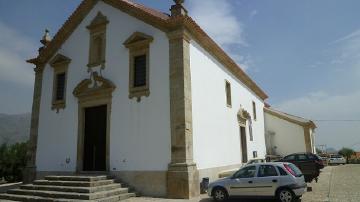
(12, 161)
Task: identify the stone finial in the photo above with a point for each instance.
(46, 38)
(178, 9)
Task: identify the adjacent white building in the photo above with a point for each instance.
(144, 96)
(286, 134)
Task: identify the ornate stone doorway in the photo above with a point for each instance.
(243, 116)
(94, 110)
(94, 158)
(243, 144)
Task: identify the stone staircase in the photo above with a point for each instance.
(99, 188)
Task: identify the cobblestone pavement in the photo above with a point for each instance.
(336, 184)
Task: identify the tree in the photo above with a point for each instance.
(12, 161)
(346, 152)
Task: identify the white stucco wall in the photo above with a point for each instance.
(216, 132)
(288, 137)
(139, 132)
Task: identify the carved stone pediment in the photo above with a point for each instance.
(99, 21)
(59, 59)
(93, 88)
(242, 116)
(138, 38)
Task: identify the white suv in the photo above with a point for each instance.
(336, 159)
(276, 179)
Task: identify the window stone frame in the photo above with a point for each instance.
(97, 29)
(138, 44)
(228, 93)
(254, 110)
(60, 64)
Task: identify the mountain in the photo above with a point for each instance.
(14, 128)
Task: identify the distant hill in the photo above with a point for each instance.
(14, 128)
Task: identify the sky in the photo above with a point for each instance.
(304, 54)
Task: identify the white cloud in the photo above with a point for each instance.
(342, 109)
(347, 53)
(14, 50)
(218, 19)
(354, 34)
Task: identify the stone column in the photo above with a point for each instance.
(182, 175)
(30, 169)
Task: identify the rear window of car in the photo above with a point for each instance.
(290, 157)
(295, 169)
(302, 157)
(313, 157)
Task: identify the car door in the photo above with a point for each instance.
(242, 182)
(306, 166)
(267, 180)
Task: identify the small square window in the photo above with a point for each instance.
(255, 154)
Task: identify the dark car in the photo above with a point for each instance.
(310, 164)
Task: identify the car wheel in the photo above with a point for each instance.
(220, 194)
(285, 195)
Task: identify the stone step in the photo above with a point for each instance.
(70, 195)
(117, 197)
(74, 183)
(76, 178)
(71, 189)
(28, 198)
(12, 197)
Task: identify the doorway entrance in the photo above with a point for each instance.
(243, 144)
(94, 155)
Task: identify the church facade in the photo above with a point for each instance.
(144, 96)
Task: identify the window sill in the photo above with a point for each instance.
(139, 92)
(59, 104)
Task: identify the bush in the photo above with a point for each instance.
(12, 161)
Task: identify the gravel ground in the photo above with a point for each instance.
(336, 184)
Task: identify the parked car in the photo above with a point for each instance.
(280, 180)
(310, 164)
(336, 159)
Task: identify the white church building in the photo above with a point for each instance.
(144, 96)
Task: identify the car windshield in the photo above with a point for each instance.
(296, 170)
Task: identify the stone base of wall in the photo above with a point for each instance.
(213, 173)
(183, 181)
(147, 183)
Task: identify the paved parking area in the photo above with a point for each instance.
(336, 184)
